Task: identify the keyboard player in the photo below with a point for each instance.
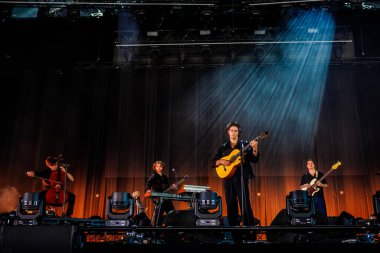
(159, 182)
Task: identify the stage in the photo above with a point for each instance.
(94, 235)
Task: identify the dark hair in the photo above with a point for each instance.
(51, 160)
(231, 124)
(158, 162)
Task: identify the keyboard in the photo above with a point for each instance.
(165, 195)
(194, 188)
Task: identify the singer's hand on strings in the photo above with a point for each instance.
(224, 162)
(254, 145)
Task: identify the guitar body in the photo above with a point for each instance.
(313, 189)
(228, 171)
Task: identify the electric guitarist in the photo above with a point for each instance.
(159, 182)
(234, 189)
(308, 181)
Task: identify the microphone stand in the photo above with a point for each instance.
(175, 178)
(242, 182)
(65, 166)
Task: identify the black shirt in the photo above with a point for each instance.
(307, 178)
(157, 183)
(225, 149)
(43, 173)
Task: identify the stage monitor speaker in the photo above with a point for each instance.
(346, 219)
(21, 239)
(181, 218)
(281, 219)
(187, 218)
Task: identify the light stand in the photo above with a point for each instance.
(65, 166)
(123, 202)
(204, 202)
(29, 208)
(300, 207)
(242, 181)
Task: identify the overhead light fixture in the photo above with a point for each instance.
(260, 32)
(177, 11)
(338, 52)
(129, 54)
(206, 18)
(206, 52)
(181, 55)
(152, 33)
(258, 53)
(204, 32)
(312, 30)
(206, 13)
(155, 54)
(233, 54)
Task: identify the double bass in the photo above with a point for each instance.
(56, 193)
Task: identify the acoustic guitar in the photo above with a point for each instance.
(234, 157)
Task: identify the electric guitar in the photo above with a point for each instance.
(313, 188)
(156, 201)
(175, 186)
(227, 171)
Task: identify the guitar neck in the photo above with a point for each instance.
(248, 145)
(176, 184)
(325, 175)
(258, 138)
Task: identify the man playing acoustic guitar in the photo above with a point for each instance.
(232, 182)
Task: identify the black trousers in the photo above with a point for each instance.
(166, 206)
(232, 190)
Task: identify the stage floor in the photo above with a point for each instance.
(91, 235)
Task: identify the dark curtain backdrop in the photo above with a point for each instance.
(112, 123)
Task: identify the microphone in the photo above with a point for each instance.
(175, 174)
